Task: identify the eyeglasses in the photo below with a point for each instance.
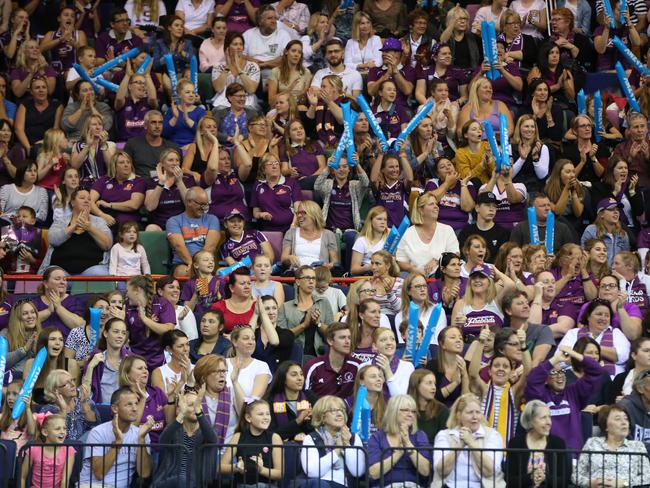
(368, 290)
(335, 411)
(419, 287)
(273, 163)
(585, 126)
(221, 371)
(202, 205)
(408, 410)
(556, 372)
(609, 286)
(239, 95)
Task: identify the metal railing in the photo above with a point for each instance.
(292, 465)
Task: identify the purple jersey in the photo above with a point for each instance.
(170, 202)
(237, 17)
(450, 211)
(509, 214)
(5, 310)
(557, 310)
(142, 340)
(572, 292)
(364, 354)
(29, 238)
(226, 194)
(453, 77)
(631, 309)
(154, 405)
(91, 168)
(637, 294)
(207, 295)
(250, 244)
(71, 303)
(435, 290)
(477, 319)
(407, 72)
(391, 120)
(130, 119)
(64, 55)
(305, 162)
(111, 190)
(394, 199)
(278, 201)
(106, 41)
(339, 215)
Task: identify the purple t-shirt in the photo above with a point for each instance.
(477, 319)
(453, 77)
(572, 292)
(450, 211)
(206, 300)
(339, 215)
(557, 310)
(501, 89)
(394, 199)
(64, 55)
(364, 354)
(278, 201)
(5, 310)
(142, 340)
(105, 41)
(238, 20)
(71, 303)
(111, 190)
(509, 214)
(407, 72)
(170, 202)
(638, 294)
(403, 470)
(305, 162)
(226, 194)
(154, 405)
(130, 119)
(391, 120)
(608, 59)
(631, 309)
(250, 244)
(91, 169)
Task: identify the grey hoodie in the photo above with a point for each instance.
(639, 418)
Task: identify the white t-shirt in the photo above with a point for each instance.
(248, 374)
(251, 69)
(350, 77)
(354, 55)
(485, 13)
(307, 251)
(265, 48)
(523, 12)
(424, 318)
(145, 15)
(366, 250)
(195, 17)
(412, 250)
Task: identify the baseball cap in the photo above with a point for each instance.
(487, 197)
(392, 44)
(234, 213)
(607, 204)
(484, 270)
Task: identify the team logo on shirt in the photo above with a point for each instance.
(281, 191)
(109, 186)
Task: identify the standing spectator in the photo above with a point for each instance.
(145, 150)
(118, 39)
(192, 230)
(135, 96)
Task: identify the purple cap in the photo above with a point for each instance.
(234, 213)
(607, 204)
(392, 44)
(483, 269)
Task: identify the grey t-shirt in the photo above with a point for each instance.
(538, 335)
(145, 157)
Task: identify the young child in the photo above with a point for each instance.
(202, 289)
(85, 59)
(263, 285)
(335, 297)
(20, 431)
(240, 242)
(403, 331)
(51, 466)
(128, 257)
(24, 243)
(253, 433)
(52, 159)
(396, 371)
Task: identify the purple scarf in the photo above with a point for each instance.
(222, 416)
(606, 341)
(279, 406)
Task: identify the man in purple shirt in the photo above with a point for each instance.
(333, 373)
(118, 39)
(192, 231)
(392, 69)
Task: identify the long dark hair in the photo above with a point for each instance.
(101, 342)
(279, 379)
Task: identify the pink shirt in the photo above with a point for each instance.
(48, 472)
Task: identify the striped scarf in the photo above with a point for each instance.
(279, 406)
(607, 340)
(222, 417)
(507, 413)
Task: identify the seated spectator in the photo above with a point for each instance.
(180, 123)
(135, 96)
(263, 284)
(627, 268)
(36, 115)
(93, 152)
(145, 150)
(391, 178)
(101, 375)
(635, 148)
(197, 154)
(234, 117)
(238, 305)
(169, 288)
(547, 382)
(178, 368)
(567, 269)
(432, 415)
(272, 344)
(24, 191)
(192, 464)
(291, 75)
(82, 232)
(495, 235)
(302, 158)
(251, 375)
(607, 227)
(390, 22)
(371, 239)
(403, 77)
(614, 422)
(539, 445)
(422, 147)
(250, 150)
(21, 334)
(449, 367)
(241, 243)
(77, 344)
(16, 32)
(319, 31)
(118, 39)
(511, 198)
(557, 76)
(173, 42)
(121, 430)
(482, 106)
(329, 420)
(211, 340)
(307, 316)
(192, 231)
(473, 157)
(531, 159)
(363, 49)
(520, 38)
(211, 51)
(508, 87)
(52, 158)
(448, 285)
(455, 196)
(31, 65)
(11, 151)
(266, 42)
(546, 112)
(542, 204)
(23, 429)
(84, 106)
(166, 192)
(426, 240)
(465, 45)
(202, 290)
(466, 428)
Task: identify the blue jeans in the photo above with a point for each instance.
(97, 270)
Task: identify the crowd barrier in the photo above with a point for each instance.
(460, 467)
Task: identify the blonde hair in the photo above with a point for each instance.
(473, 101)
(459, 405)
(601, 229)
(198, 138)
(333, 80)
(16, 334)
(356, 20)
(366, 230)
(390, 261)
(51, 140)
(261, 176)
(516, 137)
(313, 21)
(491, 292)
(182, 83)
(321, 407)
(21, 62)
(125, 368)
(380, 405)
(193, 272)
(314, 212)
(138, 8)
(390, 423)
(51, 384)
(406, 299)
(113, 162)
(506, 16)
(631, 259)
(84, 132)
(421, 201)
(452, 13)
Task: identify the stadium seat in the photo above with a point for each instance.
(275, 239)
(105, 413)
(81, 287)
(7, 461)
(158, 250)
(471, 10)
(289, 291)
(307, 195)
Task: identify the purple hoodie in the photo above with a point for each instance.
(566, 406)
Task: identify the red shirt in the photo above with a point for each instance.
(232, 319)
